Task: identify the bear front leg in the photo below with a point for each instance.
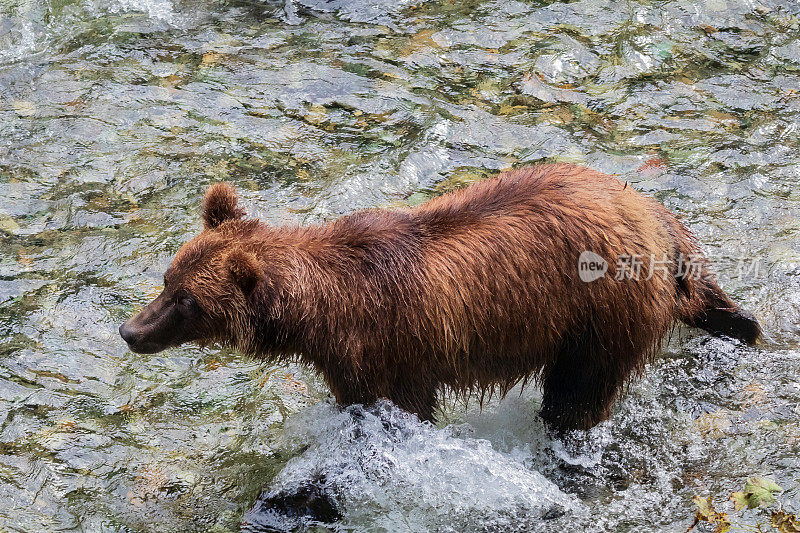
(349, 392)
(417, 396)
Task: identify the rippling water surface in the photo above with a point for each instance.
(114, 117)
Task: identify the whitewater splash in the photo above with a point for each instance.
(379, 461)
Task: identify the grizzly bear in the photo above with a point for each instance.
(476, 290)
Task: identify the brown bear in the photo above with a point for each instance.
(475, 290)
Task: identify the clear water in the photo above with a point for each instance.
(114, 117)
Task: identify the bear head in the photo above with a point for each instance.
(207, 286)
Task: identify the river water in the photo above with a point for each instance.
(115, 115)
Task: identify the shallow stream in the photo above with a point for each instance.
(115, 115)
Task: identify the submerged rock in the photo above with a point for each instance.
(291, 510)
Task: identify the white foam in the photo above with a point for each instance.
(380, 463)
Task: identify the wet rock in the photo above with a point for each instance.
(296, 509)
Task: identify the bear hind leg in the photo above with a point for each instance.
(711, 309)
(582, 384)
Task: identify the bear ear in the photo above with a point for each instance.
(220, 203)
(244, 269)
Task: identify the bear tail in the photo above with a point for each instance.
(706, 306)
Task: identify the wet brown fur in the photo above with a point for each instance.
(475, 291)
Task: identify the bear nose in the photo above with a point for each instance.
(127, 334)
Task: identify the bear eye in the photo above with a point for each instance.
(188, 305)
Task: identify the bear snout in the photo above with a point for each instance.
(137, 339)
(128, 334)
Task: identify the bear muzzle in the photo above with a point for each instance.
(137, 342)
(157, 327)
